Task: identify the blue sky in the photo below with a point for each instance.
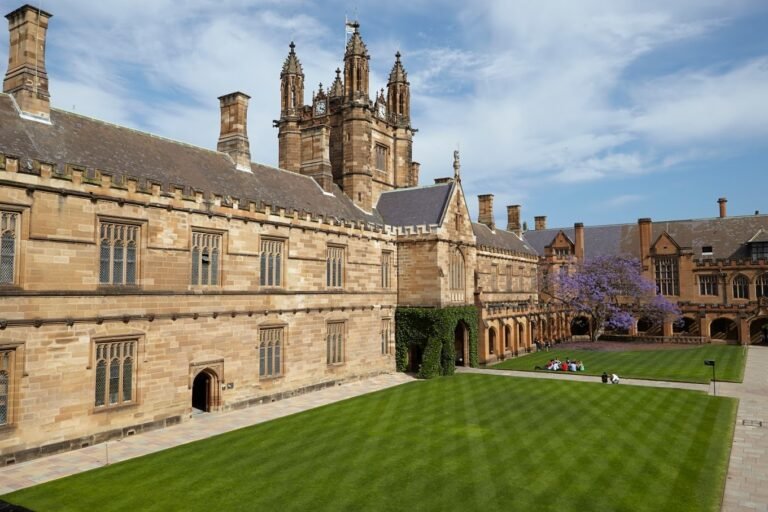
(593, 111)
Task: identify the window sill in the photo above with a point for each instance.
(8, 427)
(268, 380)
(113, 408)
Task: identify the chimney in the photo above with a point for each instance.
(722, 202)
(415, 167)
(540, 222)
(513, 219)
(644, 225)
(578, 230)
(234, 129)
(486, 211)
(26, 79)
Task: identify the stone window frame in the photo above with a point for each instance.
(761, 285)
(758, 251)
(740, 286)
(272, 258)
(509, 277)
(11, 365)
(136, 341)
(335, 342)
(131, 225)
(708, 285)
(335, 265)
(271, 347)
(494, 277)
(381, 157)
(17, 213)
(212, 239)
(386, 269)
(387, 347)
(457, 273)
(667, 274)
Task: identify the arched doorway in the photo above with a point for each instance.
(758, 331)
(686, 325)
(491, 341)
(507, 339)
(205, 391)
(724, 329)
(580, 326)
(520, 338)
(460, 344)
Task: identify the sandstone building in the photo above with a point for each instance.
(144, 279)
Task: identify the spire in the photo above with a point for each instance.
(355, 45)
(292, 65)
(398, 74)
(337, 88)
(356, 67)
(456, 166)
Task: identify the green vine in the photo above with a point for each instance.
(432, 331)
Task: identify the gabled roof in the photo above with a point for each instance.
(83, 141)
(500, 239)
(728, 236)
(760, 237)
(415, 206)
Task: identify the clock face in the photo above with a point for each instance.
(320, 107)
(382, 110)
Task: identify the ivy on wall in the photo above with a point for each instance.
(432, 332)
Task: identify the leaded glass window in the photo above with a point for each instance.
(271, 264)
(386, 335)
(456, 275)
(9, 222)
(206, 254)
(334, 267)
(335, 343)
(740, 287)
(761, 286)
(759, 251)
(118, 249)
(386, 269)
(115, 369)
(6, 358)
(708, 284)
(270, 352)
(667, 275)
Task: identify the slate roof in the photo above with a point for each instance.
(414, 206)
(728, 236)
(83, 141)
(501, 239)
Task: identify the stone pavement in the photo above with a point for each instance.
(200, 426)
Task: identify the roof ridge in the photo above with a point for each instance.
(586, 226)
(421, 187)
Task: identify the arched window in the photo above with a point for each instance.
(740, 287)
(5, 388)
(491, 340)
(457, 275)
(761, 286)
(270, 348)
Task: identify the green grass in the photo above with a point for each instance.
(468, 442)
(683, 365)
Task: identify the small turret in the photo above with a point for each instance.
(356, 67)
(291, 85)
(399, 93)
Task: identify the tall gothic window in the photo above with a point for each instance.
(115, 372)
(386, 334)
(386, 269)
(335, 343)
(740, 287)
(334, 267)
(667, 275)
(270, 352)
(118, 252)
(271, 263)
(761, 286)
(206, 255)
(509, 278)
(708, 284)
(9, 222)
(381, 157)
(6, 379)
(494, 277)
(456, 275)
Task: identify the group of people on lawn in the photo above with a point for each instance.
(557, 365)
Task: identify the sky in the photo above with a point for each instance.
(589, 111)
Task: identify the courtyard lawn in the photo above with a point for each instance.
(467, 442)
(683, 365)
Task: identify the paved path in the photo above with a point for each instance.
(746, 488)
(201, 426)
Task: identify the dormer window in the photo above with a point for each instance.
(706, 251)
(759, 250)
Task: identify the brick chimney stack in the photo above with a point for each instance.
(513, 219)
(26, 79)
(486, 211)
(723, 211)
(540, 222)
(234, 129)
(578, 229)
(644, 226)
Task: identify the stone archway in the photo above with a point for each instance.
(507, 338)
(205, 391)
(758, 331)
(461, 344)
(492, 341)
(724, 329)
(686, 325)
(580, 326)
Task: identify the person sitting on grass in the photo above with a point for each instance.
(614, 378)
(604, 378)
(581, 366)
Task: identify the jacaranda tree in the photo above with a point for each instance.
(612, 292)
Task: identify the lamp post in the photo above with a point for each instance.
(711, 362)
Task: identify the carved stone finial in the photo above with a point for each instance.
(456, 164)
